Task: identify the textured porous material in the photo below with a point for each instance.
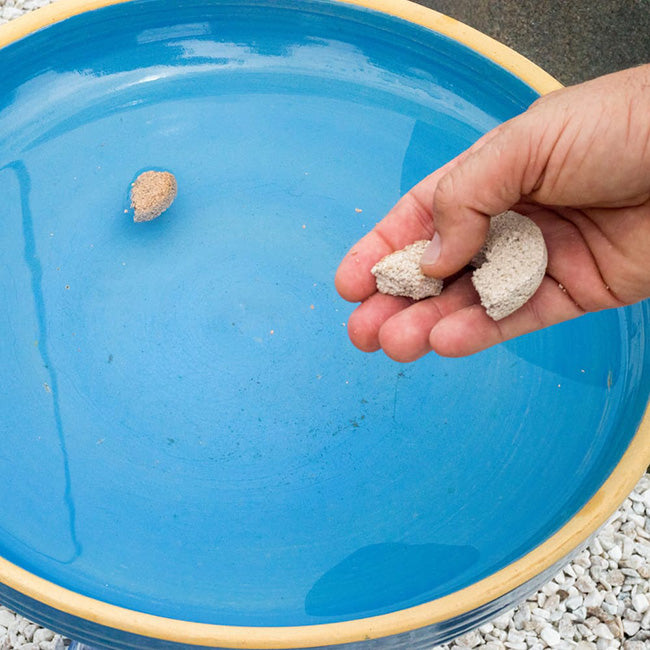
(511, 264)
(509, 268)
(151, 194)
(399, 274)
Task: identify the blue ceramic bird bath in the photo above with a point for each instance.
(193, 454)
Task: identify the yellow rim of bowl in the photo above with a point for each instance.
(582, 525)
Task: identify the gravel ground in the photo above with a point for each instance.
(601, 601)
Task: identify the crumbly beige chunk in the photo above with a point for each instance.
(399, 274)
(508, 269)
(151, 194)
(511, 265)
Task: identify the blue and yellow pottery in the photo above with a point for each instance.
(192, 453)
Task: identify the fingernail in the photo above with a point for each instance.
(432, 251)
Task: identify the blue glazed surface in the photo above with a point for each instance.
(182, 414)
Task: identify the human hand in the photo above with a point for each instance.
(577, 162)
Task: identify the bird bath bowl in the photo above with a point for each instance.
(193, 454)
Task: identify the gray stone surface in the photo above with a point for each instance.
(573, 40)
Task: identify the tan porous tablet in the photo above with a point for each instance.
(399, 274)
(511, 265)
(151, 194)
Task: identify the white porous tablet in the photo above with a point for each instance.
(511, 265)
(399, 274)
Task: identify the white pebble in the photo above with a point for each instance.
(615, 553)
(550, 588)
(634, 645)
(639, 508)
(602, 631)
(596, 571)
(56, 643)
(585, 584)
(566, 628)
(579, 570)
(570, 571)
(585, 631)
(610, 597)
(552, 602)
(640, 603)
(486, 628)
(502, 621)
(493, 645)
(42, 635)
(606, 644)
(541, 613)
(631, 627)
(645, 496)
(521, 645)
(14, 632)
(498, 635)
(573, 602)
(631, 614)
(595, 547)
(515, 636)
(586, 645)
(471, 639)
(645, 621)
(634, 561)
(606, 540)
(593, 599)
(28, 631)
(610, 608)
(9, 13)
(628, 572)
(643, 549)
(550, 636)
(6, 617)
(638, 520)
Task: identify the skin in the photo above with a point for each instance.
(577, 162)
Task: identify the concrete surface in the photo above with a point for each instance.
(574, 40)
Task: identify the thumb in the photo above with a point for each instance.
(485, 182)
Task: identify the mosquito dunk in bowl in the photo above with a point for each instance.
(172, 473)
(151, 194)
